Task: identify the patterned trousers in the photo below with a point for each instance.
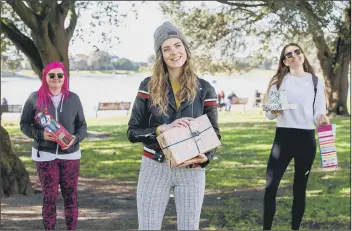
(153, 192)
(52, 174)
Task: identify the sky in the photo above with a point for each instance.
(136, 35)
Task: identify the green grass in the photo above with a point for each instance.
(237, 176)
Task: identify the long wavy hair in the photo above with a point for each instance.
(43, 99)
(159, 86)
(282, 70)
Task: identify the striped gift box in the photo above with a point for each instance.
(326, 136)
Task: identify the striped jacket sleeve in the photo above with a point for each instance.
(210, 109)
(138, 125)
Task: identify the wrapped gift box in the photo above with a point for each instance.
(62, 136)
(327, 146)
(277, 101)
(180, 144)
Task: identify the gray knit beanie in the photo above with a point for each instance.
(166, 31)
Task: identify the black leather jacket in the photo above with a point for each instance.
(145, 118)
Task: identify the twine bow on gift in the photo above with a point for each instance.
(194, 134)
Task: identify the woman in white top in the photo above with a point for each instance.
(295, 132)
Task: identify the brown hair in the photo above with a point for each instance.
(159, 86)
(282, 70)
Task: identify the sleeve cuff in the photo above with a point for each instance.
(41, 134)
(209, 155)
(76, 139)
(270, 116)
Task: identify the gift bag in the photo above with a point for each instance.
(327, 145)
(62, 136)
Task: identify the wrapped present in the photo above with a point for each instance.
(327, 146)
(278, 101)
(180, 143)
(62, 136)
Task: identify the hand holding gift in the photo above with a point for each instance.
(323, 120)
(201, 158)
(70, 144)
(276, 112)
(186, 141)
(278, 102)
(53, 130)
(181, 122)
(49, 136)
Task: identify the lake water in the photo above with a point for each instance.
(109, 88)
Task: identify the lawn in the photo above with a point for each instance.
(235, 178)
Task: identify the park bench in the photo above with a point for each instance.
(240, 101)
(109, 106)
(11, 109)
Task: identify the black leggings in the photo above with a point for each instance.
(289, 143)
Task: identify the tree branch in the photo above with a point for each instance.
(250, 12)
(241, 4)
(71, 28)
(65, 6)
(317, 32)
(35, 6)
(25, 13)
(23, 43)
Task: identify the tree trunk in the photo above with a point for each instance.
(14, 177)
(343, 88)
(50, 53)
(48, 42)
(334, 63)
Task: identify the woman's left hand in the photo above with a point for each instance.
(201, 158)
(323, 120)
(70, 144)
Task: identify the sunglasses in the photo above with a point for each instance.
(59, 75)
(294, 53)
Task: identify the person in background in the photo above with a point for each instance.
(221, 99)
(257, 98)
(4, 102)
(230, 98)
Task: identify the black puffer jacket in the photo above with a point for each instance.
(145, 118)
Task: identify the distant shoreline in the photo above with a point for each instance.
(97, 73)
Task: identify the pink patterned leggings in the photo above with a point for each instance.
(51, 174)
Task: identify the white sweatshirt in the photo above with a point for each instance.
(300, 91)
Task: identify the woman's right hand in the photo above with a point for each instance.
(48, 136)
(181, 122)
(275, 112)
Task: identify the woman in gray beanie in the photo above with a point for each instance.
(172, 97)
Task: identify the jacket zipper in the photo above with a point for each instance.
(57, 145)
(150, 117)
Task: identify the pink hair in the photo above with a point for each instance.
(44, 93)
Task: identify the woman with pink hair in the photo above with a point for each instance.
(55, 165)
